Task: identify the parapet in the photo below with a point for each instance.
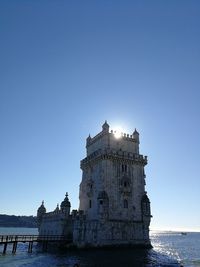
(114, 154)
(122, 136)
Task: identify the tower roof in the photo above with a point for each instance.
(65, 203)
(135, 132)
(42, 208)
(136, 135)
(105, 126)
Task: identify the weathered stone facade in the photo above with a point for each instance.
(114, 207)
(57, 222)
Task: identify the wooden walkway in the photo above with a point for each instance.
(30, 239)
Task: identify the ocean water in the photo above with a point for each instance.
(169, 249)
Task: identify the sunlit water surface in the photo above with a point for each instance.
(170, 249)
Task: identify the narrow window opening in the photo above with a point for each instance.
(101, 202)
(90, 203)
(125, 203)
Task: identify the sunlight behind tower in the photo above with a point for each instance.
(117, 132)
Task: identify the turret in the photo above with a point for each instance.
(88, 140)
(136, 136)
(65, 205)
(40, 212)
(105, 127)
(137, 140)
(57, 209)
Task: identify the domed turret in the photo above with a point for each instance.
(105, 127)
(40, 212)
(66, 205)
(137, 140)
(136, 135)
(41, 209)
(88, 140)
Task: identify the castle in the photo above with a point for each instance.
(114, 207)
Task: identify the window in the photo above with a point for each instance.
(124, 168)
(125, 203)
(90, 203)
(101, 202)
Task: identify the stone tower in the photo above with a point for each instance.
(112, 195)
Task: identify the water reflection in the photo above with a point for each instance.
(165, 253)
(88, 258)
(115, 258)
(103, 258)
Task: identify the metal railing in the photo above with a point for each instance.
(31, 238)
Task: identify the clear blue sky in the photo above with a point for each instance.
(66, 66)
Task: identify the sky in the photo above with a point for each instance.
(67, 66)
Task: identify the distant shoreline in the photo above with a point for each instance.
(18, 221)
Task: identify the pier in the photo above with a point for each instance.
(30, 239)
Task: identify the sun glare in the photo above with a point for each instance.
(117, 132)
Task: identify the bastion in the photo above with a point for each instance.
(114, 208)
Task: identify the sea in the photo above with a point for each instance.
(169, 249)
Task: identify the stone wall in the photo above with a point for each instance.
(96, 233)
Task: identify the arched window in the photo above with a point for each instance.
(125, 203)
(90, 203)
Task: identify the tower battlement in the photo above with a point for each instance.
(114, 140)
(114, 155)
(126, 136)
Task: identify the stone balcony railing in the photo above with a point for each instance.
(114, 154)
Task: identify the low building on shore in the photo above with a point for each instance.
(114, 207)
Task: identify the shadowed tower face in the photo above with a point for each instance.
(113, 180)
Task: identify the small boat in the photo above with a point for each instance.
(183, 233)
